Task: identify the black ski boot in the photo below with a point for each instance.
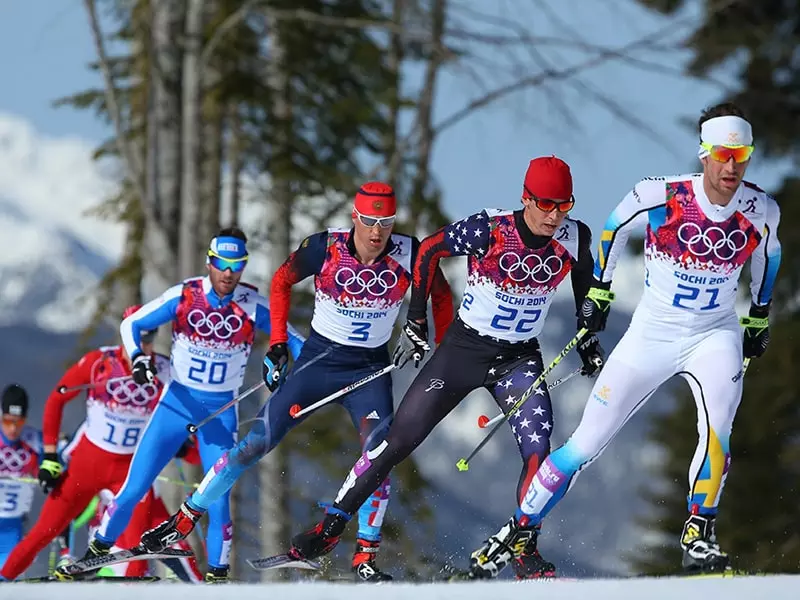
(171, 531)
(364, 565)
(321, 539)
(500, 549)
(701, 552)
(530, 564)
(217, 575)
(96, 549)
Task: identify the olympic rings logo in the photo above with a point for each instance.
(13, 459)
(714, 239)
(130, 392)
(213, 323)
(377, 284)
(519, 269)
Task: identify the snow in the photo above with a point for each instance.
(739, 588)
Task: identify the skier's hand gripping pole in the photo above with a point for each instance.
(192, 428)
(484, 421)
(463, 463)
(296, 412)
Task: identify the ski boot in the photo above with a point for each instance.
(171, 531)
(500, 549)
(364, 565)
(96, 549)
(321, 539)
(701, 552)
(530, 564)
(217, 575)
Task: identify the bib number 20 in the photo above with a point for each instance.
(206, 371)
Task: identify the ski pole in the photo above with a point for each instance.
(88, 386)
(484, 421)
(296, 412)
(192, 428)
(35, 480)
(463, 463)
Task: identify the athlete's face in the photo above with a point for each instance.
(223, 282)
(374, 237)
(12, 427)
(544, 222)
(724, 177)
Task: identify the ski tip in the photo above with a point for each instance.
(483, 421)
(462, 464)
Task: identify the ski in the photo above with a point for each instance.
(282, 561)
(109, 579)
(121, 556)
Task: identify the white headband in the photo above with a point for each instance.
(725, 131)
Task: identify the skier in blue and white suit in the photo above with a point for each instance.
(214, 320)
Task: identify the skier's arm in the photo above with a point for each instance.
(307, 260)
(78, 374)
(582, 267)
(462, 238)
(264, 323)
(149, 318)
(629, 215)
(766, 258)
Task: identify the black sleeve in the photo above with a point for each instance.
(582, 267)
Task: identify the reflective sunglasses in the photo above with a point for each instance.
(236, 265)
(13, 420)
(546, 205)
(384, 222)
(723, 154)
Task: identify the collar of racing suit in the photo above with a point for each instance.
(530, 239)
(351, 246)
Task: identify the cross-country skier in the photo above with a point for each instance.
(214, 322)
(117, 410)
(700, 230)
(361, 277)
(20, 453)
(517, 259)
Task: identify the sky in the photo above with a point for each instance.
(478, 163)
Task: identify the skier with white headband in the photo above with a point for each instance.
(700, 229)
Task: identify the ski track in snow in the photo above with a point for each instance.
(739, 588)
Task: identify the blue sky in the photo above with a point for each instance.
(480, 162)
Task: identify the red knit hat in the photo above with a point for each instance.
(375, 199)
(549, 178)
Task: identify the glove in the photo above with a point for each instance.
(413, 343)
(275, 362)
(756, 331)
(595, 307)
(49, 472)
(591, 354)
(143, 370)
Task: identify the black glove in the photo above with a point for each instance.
(143, 370)
(413, 343)
(756, 331)
(275, 362)
(595, 307)
(591, 354)
(49, 472)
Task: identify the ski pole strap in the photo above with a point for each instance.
(463, 463)
(599, 296)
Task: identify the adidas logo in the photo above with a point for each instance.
(373, 415)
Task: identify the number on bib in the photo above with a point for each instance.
(205, 371)
(10, 501)
(509, 319)
(693, 293)
(360, 331)
(128, 439)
